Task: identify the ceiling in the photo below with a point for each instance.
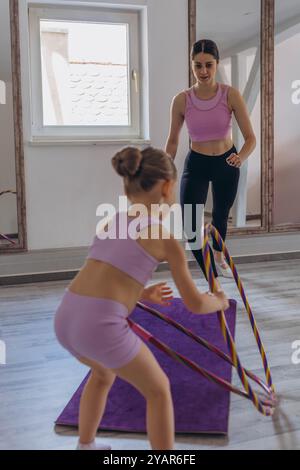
(235, 24)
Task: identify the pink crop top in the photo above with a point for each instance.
(208, 119)
(124, 252)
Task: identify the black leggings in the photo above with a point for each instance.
(199, 170)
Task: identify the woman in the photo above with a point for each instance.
(207, 108)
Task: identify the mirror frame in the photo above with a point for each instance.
(21, 245)
(267, 106)
(289, 227)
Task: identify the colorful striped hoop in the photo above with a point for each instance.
(265, 402)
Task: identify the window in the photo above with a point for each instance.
(85, 75)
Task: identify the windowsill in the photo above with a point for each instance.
(55, 141)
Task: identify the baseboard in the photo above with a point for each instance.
(29, 278)
(15, 279)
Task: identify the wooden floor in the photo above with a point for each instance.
(40, 376)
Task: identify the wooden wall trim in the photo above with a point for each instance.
(192, 7)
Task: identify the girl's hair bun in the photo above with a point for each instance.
(127, 162)
(143, 169)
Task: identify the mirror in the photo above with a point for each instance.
(235, 26)
(12, 205)
(286, 163)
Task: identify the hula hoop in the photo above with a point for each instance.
(7, 238)
(8, 191)
(265, 404)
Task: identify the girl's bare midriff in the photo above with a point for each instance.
(102, 280)
(212, 147)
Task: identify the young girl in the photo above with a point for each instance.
(91, 319)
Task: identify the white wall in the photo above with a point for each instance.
(5, 70)
(287, 131)
(8, 202)
(254, 164)
(8, 207)
(65, 184)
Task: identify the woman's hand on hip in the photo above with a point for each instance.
(234, 160)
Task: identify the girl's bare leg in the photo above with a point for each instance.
(145, 374)
(93, 400)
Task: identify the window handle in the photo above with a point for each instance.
(135, 77)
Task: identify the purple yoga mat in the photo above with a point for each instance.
(200, 405)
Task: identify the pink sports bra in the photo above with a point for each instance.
(208, 119)
(124, 252)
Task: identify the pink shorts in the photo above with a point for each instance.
(97, 329)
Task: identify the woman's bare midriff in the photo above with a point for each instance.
(102, 280)
(212, 147)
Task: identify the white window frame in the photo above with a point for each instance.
(39, 132)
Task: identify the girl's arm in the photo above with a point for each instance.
(241, 114)
(176, 123)
(193, 299)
